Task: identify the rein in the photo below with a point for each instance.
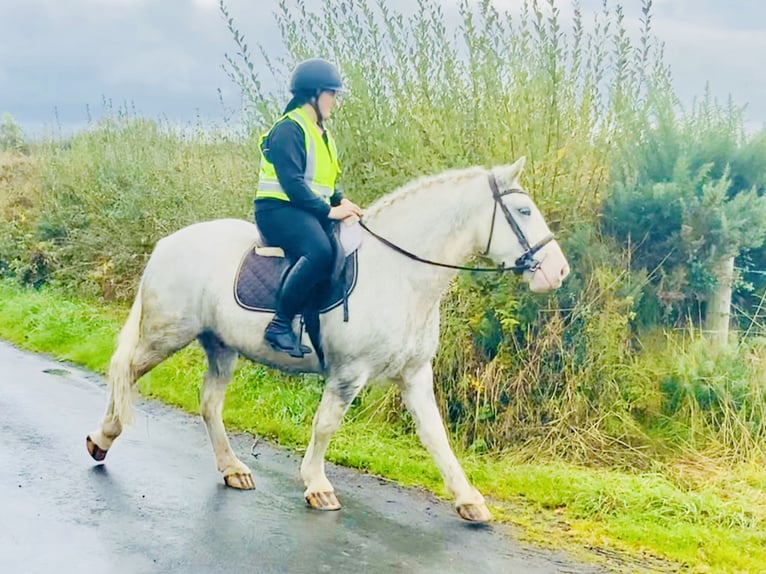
(526, 262)
(410, 255)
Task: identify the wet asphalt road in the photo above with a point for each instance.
(158, 504)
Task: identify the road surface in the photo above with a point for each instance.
(158, 505)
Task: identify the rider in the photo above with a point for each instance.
(297, 195)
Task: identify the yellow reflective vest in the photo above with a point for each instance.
(322, 166)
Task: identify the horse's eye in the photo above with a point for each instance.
(525, 211)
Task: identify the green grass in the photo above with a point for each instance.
(707, 520)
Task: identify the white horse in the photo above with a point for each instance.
(186, 293)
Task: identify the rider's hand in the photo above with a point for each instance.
(358, 209)
(345, 210)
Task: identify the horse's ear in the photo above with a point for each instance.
(516, 169)
(509, 173)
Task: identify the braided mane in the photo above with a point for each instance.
(422, 184)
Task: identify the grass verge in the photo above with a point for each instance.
(692, 515)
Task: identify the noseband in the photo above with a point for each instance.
(526, 262)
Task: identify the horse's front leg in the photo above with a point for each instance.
(418, 395)
(336, 399)
(221, 361)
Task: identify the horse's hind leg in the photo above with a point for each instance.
(336, 399)
(221, 360)
(146, 356)
(147, 338)
(418, 394)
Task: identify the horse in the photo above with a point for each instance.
(423, 232)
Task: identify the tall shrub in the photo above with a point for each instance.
(691, 202)
(425, 96)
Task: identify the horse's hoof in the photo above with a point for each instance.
(98, 454)
(323, 500)
(240, 480)
(478, 513)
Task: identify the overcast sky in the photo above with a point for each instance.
(59, 58)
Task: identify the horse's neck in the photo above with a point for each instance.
(437, 221)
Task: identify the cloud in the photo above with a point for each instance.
(166, 56)
(701, 51)
(206, 4)
(163, 56)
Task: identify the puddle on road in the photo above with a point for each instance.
(59, 372)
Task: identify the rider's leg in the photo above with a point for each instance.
(304, 240)
(279, 332)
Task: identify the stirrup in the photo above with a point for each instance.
(295, 354)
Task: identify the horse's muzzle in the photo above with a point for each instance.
(551, 271)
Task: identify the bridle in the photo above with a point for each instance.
(525, 262)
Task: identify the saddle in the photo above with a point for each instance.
(263, 268)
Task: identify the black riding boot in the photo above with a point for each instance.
(280, 335)
(293, 294)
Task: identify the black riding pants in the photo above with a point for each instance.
(300, 235)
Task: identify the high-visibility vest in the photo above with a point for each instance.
(322, 166)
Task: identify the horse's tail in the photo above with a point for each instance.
(122, 372)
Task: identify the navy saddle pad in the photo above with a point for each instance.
(259, 276)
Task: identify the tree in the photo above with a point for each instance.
(692, 202)
(11, 135)
(719, 222)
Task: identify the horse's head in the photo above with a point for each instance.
(518, 236)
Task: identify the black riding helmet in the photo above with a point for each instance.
(315, 75)
(310, 78)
